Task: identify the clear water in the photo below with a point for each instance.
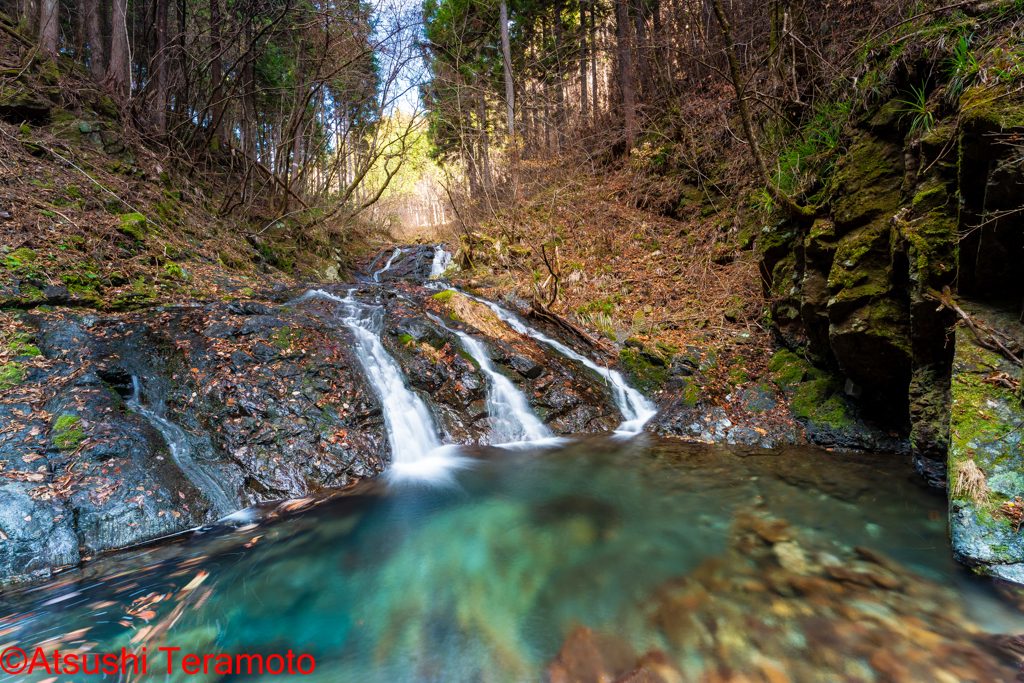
(484, 579)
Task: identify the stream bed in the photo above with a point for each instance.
(576, 562)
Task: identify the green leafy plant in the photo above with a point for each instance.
(963, 67)
(916, 107)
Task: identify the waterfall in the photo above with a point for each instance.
(441, 261)
(177, 444)
(635, 408)
(416, 452)
(512, 421)
(387, 266)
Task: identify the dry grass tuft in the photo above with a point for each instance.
(970, 483)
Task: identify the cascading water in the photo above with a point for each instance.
(387, 266)
(635, 408)
(416, 452)
(177, 444)
(512, 421)
(442, 259)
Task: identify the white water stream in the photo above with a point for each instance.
(416, 452)
(387, 266)
(442, 259)
(512, 420)
(177, 444)
(633, 405)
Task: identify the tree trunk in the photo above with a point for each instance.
(506, 53)
(583, 64)
(559, 75)
(94, 11)
(160, 59)
(642, 50)
(30, 16)
(788, 203)
(593, 57)
(118, 78)
(626, 71)
(49, 27)
(216, 68)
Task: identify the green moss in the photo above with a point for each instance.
(818, 401)
(690, 395)
(273, 256)
(868, 181)
(67, 432)
(49, 72)
(738, 375)
(444, 297)
(648, 375)
(931, 196)
(406, 340)
(848, 269)
(787, 369)
(20, 348)
(985, 106)
(61, 116)
(286, 337)
(174, 270)
(11, 374)
(133, 225)
(20, 257)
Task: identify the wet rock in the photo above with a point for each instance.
(249, 308)
(414, 263)
(791, 557)
(589, 657)
(846, 618)
(758, 399)
(830, 417)
(985, 436)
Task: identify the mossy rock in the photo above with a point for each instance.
(991, 108)
(443, 297)
(21, 348)
(67, 432)
(49, 71)
(20, 257)
(286, 337)
(11, 375)
(867, 183)
(788, 369)
(648, 371)
(818, 401)
(133, 225)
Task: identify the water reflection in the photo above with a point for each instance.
(719, 564)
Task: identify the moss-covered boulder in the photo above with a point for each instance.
(133, 225)
(986, 461)
(819, 400)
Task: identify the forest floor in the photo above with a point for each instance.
(628, 276)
